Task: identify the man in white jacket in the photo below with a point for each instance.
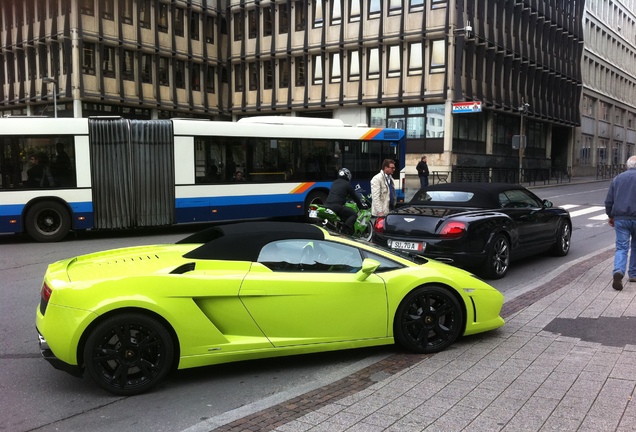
(383, 190)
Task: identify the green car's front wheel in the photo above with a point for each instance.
(128, 354)
(428, 320)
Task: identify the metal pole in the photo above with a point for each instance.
(521, 142)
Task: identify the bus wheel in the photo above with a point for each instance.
(48, 221)
(315, 197)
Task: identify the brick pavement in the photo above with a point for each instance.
(517, 378)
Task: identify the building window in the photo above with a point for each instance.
(336, 68)
(375, 8)
(253, 76)
(415, 58)
(438, 54)
(238, 77)
(53, 9)
(146, 71)
(195, 77)
(163, 77)
(395, 7)
(87, 7)
(88, 59)
(179, 74)
(163, 18)
(126, 11)
(128, 66)
(318, 76)
(209, 29)
(435, 4)
(268, 71)
(319, 7)
(394, 62)
(416, 5)
(42, 59)
(238, 26)
(354, 10)
(336, 12)
(267, 21)
(144, 13)
(299, 75)
(178, 22)
(283, 19)
(210, 79)
(194, 26)
(354, 65)
(300, 17)
(252, 23)
(283, 70)
(108, 9)
(373, 63)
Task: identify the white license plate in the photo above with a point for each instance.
(313, 213)
(406, 245)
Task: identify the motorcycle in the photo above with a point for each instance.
(362, 228)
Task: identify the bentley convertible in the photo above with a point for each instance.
(479, 226)
(244, 291)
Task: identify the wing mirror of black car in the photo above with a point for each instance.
(547, 203)
(368, 267)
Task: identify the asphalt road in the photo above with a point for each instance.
(34, 396)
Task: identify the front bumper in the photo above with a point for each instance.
(48, 355)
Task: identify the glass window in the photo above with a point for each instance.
(195, 77)
(299, 72)
(395, 61)
(252, 23)
(238, 26)
(517, 198)
(415, 58)
(438, 56)
(283, 19)
(435, 121)
(163, 18)
(354, 65)
(146, 71)
(318, 68)
(144, 13)
(268, 72)
(178, 22)
(354, 10)
(128, 66)
(375, 8)
(253, 76)
(87, 7)
(318, 13)
(210, 79)
(238, 77)
(283, 73)
(416, 5)
(336, 12)
(373, 63)
(310, 256)
(194, 26)
(88, 59)
(300, 18)
(179, 74)
(126, 11)
(336, 70)
(209, 29)
(163, 75)
(267, 21)
(108, 9)
(395, 7)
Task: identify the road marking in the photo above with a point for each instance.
(586, 211)
(569, 206)
(602, 217)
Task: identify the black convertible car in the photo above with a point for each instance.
(478, 226)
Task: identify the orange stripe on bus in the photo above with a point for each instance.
(302, 187)
(371, 134)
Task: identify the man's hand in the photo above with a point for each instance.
(610, 222)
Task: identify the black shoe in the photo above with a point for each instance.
(617, 284)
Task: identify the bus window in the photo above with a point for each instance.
(37, 162)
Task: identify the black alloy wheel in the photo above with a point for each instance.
(428, 320)
(562, 244)
(48, 221)
(497, 259)
(128, 354)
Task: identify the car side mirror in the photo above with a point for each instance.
(368, 267)
(547, 203)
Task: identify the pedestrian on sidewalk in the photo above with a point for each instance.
(383, 190)
(620, 206)
(422, 172)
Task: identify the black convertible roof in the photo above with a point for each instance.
(486, 195)
(243, 241)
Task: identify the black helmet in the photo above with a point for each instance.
(345, 174)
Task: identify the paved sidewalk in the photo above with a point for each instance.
(564, 361)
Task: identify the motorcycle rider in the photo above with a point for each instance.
(341, 190)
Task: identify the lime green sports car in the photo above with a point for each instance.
(246, 291)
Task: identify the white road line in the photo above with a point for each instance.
(586, 211)
(569, 206)
(599, 217)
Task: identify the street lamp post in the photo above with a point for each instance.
(54, 81)
(523, 109)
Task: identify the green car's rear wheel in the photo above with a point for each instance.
(128, 354)
(428, 320)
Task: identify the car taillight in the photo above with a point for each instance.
(379, 225)
(45, 295)
(453, 229)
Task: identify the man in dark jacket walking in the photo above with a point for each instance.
(340, 191)
(620, 206)
(422, 172)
